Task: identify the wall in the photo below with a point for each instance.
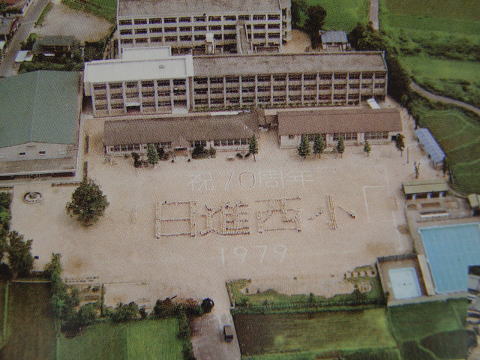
(31, 150)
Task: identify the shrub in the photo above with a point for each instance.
(125, 312)
(212, 152)
(183, 326)
(207, 305)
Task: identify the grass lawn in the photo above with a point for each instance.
(317, 332)
(103, 8)
(456, 79)
(343, 14)
(284, 302)
(30, 323)
(458, 134)
(149, 339)
(417, 321)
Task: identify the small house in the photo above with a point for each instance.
(334, 40)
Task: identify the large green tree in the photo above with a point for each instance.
(20, 257)
(299, 10)
(318, 145)
(152, 154)
(88, 202)
(304, 147)
(367, 148)
(253, 146)
(314, 23)
(341, 146)
(400, 143)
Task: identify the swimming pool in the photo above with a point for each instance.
(450, 250)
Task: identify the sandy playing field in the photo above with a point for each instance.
(62, 20)
(122, 250)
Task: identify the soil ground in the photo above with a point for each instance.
(135, 266)
(62, 20)
(299, 43)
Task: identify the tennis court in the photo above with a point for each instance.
(450, 250)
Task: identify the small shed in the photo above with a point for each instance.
(334, 40)
(425, 189)
(55, 45)
(474, 202)
(431, 147)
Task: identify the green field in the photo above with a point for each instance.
(103, 8)
(343, 14)
(458, 133)
(317, 332)
(415, 322)
(430, 331)
(146, 340)
(455, 79)
(30, 325)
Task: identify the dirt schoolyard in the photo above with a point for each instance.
(123, 251)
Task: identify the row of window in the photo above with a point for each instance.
(134, 84)
(188, 19)
(41, 152)
(348, 136)
(174, 29)
(283, 88)
(291, 77)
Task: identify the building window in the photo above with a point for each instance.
(376, 135)
(125, 22)
(42, 152)
(199, 37)
(156, 30)
(170, 38)
(140, 31)
(140, 21)
(185, 19)
(294, 77)
(258, 17)
(214, 18)
(163, 83)
(156, 39)
(22, 154)
(141, 41)
(200, 18)
(126, 32)
(354, 76)
(185, 29)
(126, 41)
(346, 136)
(186, 38)
(244, 17)
(273, 17)
(155, 21)
(170, 20)
(230, 18)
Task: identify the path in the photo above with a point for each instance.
(373, 15)
(443, 99)
(26, 25)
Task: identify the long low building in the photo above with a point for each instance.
(203, 26)
(39, 122)
(172, 84)
(222, 132)
(355, 126)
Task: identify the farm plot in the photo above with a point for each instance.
(149, 340)
(30, 323)
(458, 134)
(325, 331)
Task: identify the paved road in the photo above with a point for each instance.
(415, 87)
(207, 338)
(373, 15)
(26, 26)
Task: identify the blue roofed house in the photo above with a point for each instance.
(431, 147)
(39, 118)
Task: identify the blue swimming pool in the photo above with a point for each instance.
(450, 250)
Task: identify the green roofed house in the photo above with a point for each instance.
(39, 117)
(425, 189)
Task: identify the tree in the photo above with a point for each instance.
(125, 312)
(314, 23)
(318, 145)
(400, 143)
(366, 148)
(253, 146)
(198, 151)
(340, 146)
(152, 154)
(357, 33)
(88, 203)
(136, 160)
(20, 257)
(304, 147)
(299, 9)
(86, 315)
(207, 305)
(164, 308)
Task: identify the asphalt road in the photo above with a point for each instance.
(26, 25)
